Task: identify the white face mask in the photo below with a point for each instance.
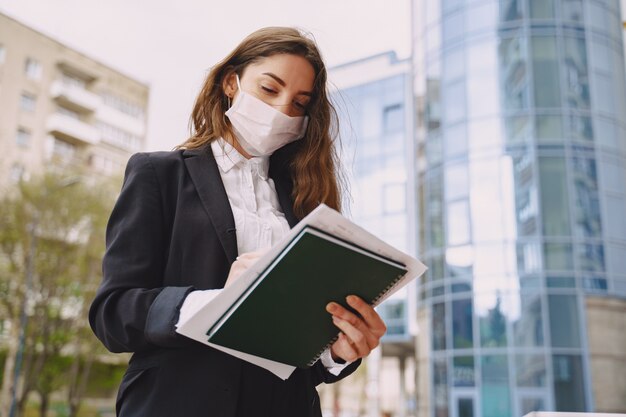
(260, 128)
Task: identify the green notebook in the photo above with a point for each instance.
(282, 316)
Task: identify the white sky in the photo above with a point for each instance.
(171, 44)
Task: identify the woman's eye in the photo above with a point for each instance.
(268, 90)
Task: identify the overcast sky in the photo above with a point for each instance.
(171, 44)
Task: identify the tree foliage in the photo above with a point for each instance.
(51, 245)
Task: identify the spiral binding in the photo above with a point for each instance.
(388, 288)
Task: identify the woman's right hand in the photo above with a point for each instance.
(241, 264)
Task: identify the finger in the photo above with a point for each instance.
(378, 329)
(359, 341)
(367, 312)
(343, 349)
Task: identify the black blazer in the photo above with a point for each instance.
(172, 231)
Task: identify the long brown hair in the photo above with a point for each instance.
(314, 164)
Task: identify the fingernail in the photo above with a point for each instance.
(351, 299)
(331, 307)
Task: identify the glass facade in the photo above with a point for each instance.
(375, 134)
(522, 150)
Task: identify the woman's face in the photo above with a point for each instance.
(283, 81)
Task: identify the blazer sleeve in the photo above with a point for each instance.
(133, 310)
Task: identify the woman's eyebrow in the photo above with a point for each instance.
(282, 83)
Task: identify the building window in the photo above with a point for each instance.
(23, 137)
(32, 69)
(69, 113)
(123, 105)
(119, 137)
(16, 173)
(3, 54)
(73, 81)
(393, 118)
(60, 149)
(27, 102)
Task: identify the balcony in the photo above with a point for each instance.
(74, 97)
(72, 130)
(113, 117)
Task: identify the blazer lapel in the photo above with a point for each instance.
(206, 178)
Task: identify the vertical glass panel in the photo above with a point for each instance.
(564, 322)
(546, 72)
(462, 324)
(606, 133)
(440, 379)
(482, 17)
(513, 68)
(558, 256)
(580, 128)
(495, 398)
(459, 261)
(434, 208)
(594, 285)
(454, 102)
(483, 91)
(554, 197)
(528, 327)
(569, 383)
(587, 205)
(456, 181)
(433, 11)
(439, 326)
(433, 104)
(604, 96)
(518, 129)
(549, 128)
(434, 152)
(572, 10)
(576, 73)
(463, 371)
(484, 133)
(541, 9)
(453, 64)
(488, 198)
(528, 258)
(453, 26)
(492, 318)
(590, 257)
(531, 370)
(511, 10)
(458, 225)
(465, 407)
(455, 141)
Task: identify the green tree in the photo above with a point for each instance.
(51, 244)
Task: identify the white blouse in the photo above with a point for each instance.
(259, 220)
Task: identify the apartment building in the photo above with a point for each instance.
(62, 108)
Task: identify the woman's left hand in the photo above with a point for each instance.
(360, 334)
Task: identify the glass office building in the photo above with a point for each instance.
(521, 143)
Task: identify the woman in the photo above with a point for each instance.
(188, 222)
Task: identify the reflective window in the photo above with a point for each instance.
(457, 222)
(531, 370)
(576, 73)
(439, 326)
(393, 118)
(440, 382)
(528, 327)
(492, 191)
(546, 72)
(463, 371)
(528, 257)
(569, 380)
(580, 128)
(554, 197)
(606, 133)
(23, 137)
(518, 129)
(454, 64)
(541, 9)
(511, 10)
(433, 11)
(590, 257)
(484, 133)
(459, 261)
(454, 102)
(495, 394)
(604, 99)
(492, 319)
(434, 208)
(560, 282)
(587, 202)
(594, 285)
(564, 322)
(598, 17)
(572, 10)
(455, 140)
(456, 181)
(558, 256)
(27, 102)
(513, 67)
(453, 26)
(33, 69)
(482, 17)
(549, 128)
(465, 407)
(483, 98)
(462, 327)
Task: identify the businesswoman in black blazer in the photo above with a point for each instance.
(188, 222)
